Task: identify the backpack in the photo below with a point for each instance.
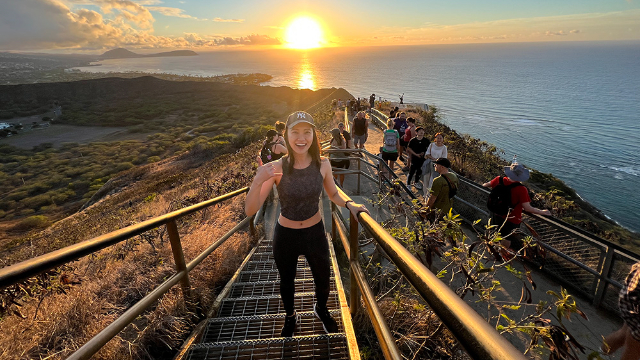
(265, 152)
(390, 141)
(499, 201)
(452, 190)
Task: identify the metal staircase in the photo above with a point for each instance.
(250, 316)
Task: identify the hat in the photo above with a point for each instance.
(444, 162)
(336, 132)
(299, 117)
(517, 172)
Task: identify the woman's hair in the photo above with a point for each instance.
(280, 126)
(436, 135)
(411, 120)
(390, 124)
(270, 134)
(314, 151)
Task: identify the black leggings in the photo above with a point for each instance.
(416, 167)
(311, 242)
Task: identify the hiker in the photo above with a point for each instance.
(360, 130)
(628, 336)
(516, 200)
(271, 150)
(409, 133)
(280, 129)
(401, 98)
(400, 125)
(346, 135)
(390, 146)
(300, 177)
(393, 112)
(372, 102)
(416, 150)
(443, 190)
(338, 142)
(436, 149)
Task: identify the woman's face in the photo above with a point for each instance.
(300, 137)
(439, 139)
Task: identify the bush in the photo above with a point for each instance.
(33, 222)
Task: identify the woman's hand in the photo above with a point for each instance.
(266, 172)
(355, 208)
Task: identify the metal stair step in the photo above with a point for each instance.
(267, 288)
(261, 305)
(270, 265)
(326, 346)
(272, 275)
(261, 327)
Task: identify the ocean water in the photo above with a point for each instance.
(570, 109)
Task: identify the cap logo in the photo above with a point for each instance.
(301, 115)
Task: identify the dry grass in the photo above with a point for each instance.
(89, 295)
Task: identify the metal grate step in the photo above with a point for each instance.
(270, 265)
(270, 305)
(268, 288)
(272, 275)
(261, 327)
(328, 346)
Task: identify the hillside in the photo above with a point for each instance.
(121, 53)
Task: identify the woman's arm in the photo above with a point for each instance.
(445, 154)
(530, 209)
(279, 149)
(335, 194)
(266, 176)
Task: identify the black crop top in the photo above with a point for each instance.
(299, 192)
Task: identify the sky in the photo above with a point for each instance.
(93, 26)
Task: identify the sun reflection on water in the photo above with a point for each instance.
(307, 76)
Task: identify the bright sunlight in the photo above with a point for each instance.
(303, 33)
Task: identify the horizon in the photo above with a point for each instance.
(145, 26)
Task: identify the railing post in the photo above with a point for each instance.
(359, 160)
(605, 270)
(354, 297)
(252, 226)
(178, 257)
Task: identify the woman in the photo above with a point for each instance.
(272, 149)
(390, 147)
(338, 142)
(300, 177)
(435, 150)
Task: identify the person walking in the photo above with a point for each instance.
(518, 201)
(346, 135)
(337, 159)
(416, 150)
(390, 147)
(300, 177)
(372, 102)
(409, 133)
(440, 198)
(400, 125)
(436, 149)
(272, 149)
(360, 130)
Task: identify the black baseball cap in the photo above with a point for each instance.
(444, 162)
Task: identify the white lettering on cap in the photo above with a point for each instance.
(301, 115)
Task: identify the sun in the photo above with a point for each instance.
(303, 33)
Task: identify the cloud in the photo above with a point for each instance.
(51, 24)
(171, 11)
(555, 33)
(228, 20)
(574, 31)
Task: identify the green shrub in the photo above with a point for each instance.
(25, 212)
(152, 159)
(33, 222)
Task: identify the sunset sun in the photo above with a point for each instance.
(303, 33)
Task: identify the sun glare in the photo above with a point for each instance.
(303, 33)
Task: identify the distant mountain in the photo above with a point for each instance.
(121, 53)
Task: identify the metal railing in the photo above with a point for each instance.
(479, 339)
(591, 265)
(21, 271)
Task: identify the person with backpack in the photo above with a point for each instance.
(272, 150)
(390, 146)
(300, 178)
(409, 133)
(416, 150)
(360, 130)
(280, 129)
(437, 149)
(400, 125)
(507, 200)
(444, 188)
(628, 336)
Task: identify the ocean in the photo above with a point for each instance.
(571, 109)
